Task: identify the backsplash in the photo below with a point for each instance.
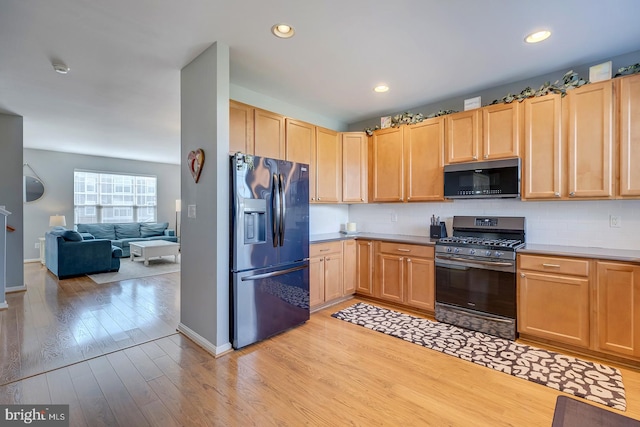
(572, 223)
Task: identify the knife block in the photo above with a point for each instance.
(438, 231)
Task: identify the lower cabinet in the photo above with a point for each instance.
(350, 271)
(553, 299)
(325, 272)
(618, 308)
(364, 267)
(404, 274)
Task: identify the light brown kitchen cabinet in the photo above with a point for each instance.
(404, 274)
(350, 262)
(364, 267)
(542, 163)
(269, 134)
(386, 172)
(590, 140)
(424, 160)
(301, 148)
(463, 136)
(240, 127)
(629, 107)
(553, 299)
(354, 167)
(618, 308)
(328, 155)
(407, 163)
(325, 272)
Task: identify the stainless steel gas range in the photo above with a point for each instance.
(476, 274)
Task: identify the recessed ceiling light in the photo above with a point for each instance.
(538, 36)
(60, 68)
(381, 88)
(283, 31)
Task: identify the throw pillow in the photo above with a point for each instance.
(150, 230)
(99, 231)
(127, 231)
(71, 236)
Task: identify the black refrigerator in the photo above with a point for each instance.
(269, 272)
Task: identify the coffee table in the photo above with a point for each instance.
(153, 248)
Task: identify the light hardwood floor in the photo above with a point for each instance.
(324, 373)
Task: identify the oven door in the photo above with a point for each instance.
(481, 285)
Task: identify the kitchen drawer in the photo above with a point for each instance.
(406, 250)
(322, 249)
(572, 266)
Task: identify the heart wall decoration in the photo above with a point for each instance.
(196, 161)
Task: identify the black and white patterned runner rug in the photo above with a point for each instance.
(592, 381)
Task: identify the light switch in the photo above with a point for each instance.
(191, 211)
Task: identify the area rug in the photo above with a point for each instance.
(592, 381)
(575, 413)
(136, 269)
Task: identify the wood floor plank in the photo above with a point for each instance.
(93, 403)
(178, 403)
(131, 378)
(62, 392)
(158, 415)
(143, 363)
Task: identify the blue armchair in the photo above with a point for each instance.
(67, 254)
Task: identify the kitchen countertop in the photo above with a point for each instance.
(627, 255)
(401, 238)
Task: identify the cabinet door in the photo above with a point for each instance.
(390, 277)
(333, 287)
(350, 258)
(269, 134)
(316, 281)
(618, 308)
(590, 140)
(542, 147)
(300, 148)
(240, 127)
(328, 166)
(354, 167)
(463, 136)
(501, 131)
(364, 270)
(387, 166)
(424, 157)
(420, 278)
(554, 307)
(630, 136)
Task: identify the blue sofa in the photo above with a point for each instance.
(121, 235)
(67, 254)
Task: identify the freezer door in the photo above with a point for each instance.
(253, 211)
(266, 302)
(294, 211)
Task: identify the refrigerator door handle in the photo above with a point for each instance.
(283, 210)
(273, 273)
(275, 210)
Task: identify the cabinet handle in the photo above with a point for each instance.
(408, 198)
(328, 258)
(475, 157)
(362, 199)
(408, 259)
(313, 199)
(404, 250)
(551, 265)
(369, 244)
(572, 194)
(556, 194)
(324, 250)
(486, 156)
(522, 275)
(318, 198)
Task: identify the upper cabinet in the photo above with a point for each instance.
(240, 127)
(269, 134)
(406, 163)
(354, 167)
(328, 156)
(590, 140)
(300, 148)
(542, 161)
(486, 133)
(629, 95)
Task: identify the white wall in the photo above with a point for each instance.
(56, 171)
(573, 223)
(327, 218)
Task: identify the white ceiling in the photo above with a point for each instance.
(122, 95)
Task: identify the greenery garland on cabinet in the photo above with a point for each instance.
(570, 80)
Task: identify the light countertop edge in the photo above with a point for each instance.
(625, 255)
(401, 238)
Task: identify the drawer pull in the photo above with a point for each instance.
(551, 265)
(404, 250)
(324, 250)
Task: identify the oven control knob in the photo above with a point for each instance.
(449, 249)
(499, 253)
(456, 250)
(488, 253)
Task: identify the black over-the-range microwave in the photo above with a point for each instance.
(483, 180)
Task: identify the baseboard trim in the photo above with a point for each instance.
(15, 289)
(203, 342)
(32, 260)
(4, 305)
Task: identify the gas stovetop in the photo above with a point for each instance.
(482, 242)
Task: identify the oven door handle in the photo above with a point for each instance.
(479, 315)
(473, 261)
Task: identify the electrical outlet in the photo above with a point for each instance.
(615, 221)
(394, 217)
(37, 246)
